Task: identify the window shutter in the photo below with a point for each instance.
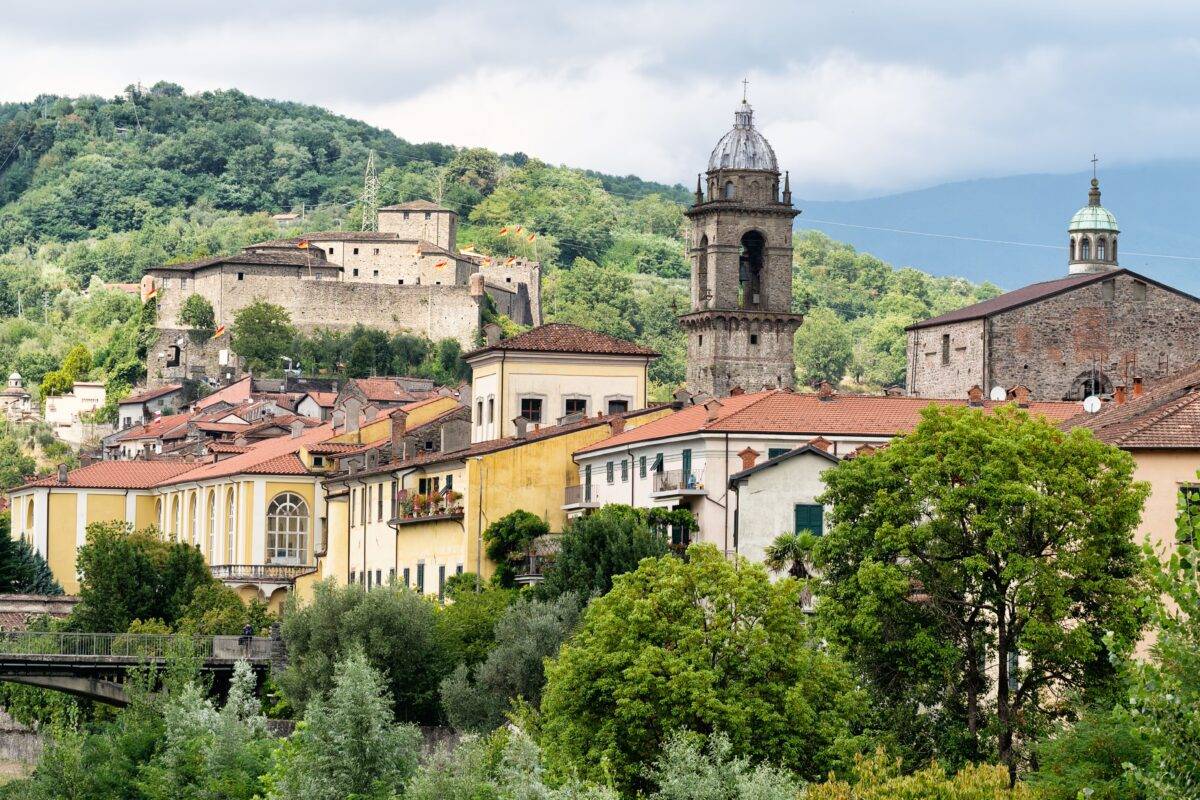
(810, 518)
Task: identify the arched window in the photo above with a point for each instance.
(702, 293)
(750, 266)
(158, 514)
(1100, 249)
(1085, 249)
(29, 514)
(1114, 249)
(1072, 249)
(728, 190)
(175, 521)
(287, 529)
(210, 549)
(230, 527)
(193, 534)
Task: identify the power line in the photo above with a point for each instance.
(962, 238)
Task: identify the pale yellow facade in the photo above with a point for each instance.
(1167, 471)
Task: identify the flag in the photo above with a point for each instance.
(150, 295)
(302, 244)
(509, 260)
(219, 332)
(504, 231)
(440, 264)
(532, 236)
(467, 248)
(517, 229)
(487, 262)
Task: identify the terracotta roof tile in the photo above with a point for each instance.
(157, 428)
(117, 475)
(259, 458)
(1165, 417)
(323, 399)
(150, 394)
(389, 390)
(560, 337)
(778, 411)
(308, 258)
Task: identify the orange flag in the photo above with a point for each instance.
(504, 231)
(150, 295)
(302, 244)
(532, 236)
(219, 332)
(440, 264)
(517, 229)
(509, 260)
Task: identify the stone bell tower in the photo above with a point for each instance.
(741, 326)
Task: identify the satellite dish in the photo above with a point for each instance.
(999, 394)
(1091, 404)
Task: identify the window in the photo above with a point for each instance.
(1101, 248)
(356, 251)
(458, 570)
(421, 577)
(608, 471)
(427, 485)
(376, 251)
(406, 577)
(442, 582)
(587, 483)
(287, 529)
(395, 500)
(230, 527)
(945, 348)
(211, 546)
(624, 471)
(402, 281)
(176, 523)
(355, 273)
(642, 467)
(728, 190)
(479, 413)
(374, 273)
(379, 577)
(491, 409)
(368, 574)
(1114, 249)
(1108, 290)
(1189, 514)
(575, 405)
(1085, 249)
(449, 482)
(193, 532)
(618, 406)
(392, 576)
(754, 338)
(1072, 249)
(531, 408)
(810, 518)
(241, 276)
(353, 576)
(701, 341)
(379, 503)
(427, 215)
(331, 251)
(775, 451)
(687, 466)
(658, 463)
(1139, 290)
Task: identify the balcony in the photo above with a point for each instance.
(677, 483)
(577, 498)
(530, 567)
(277, 574)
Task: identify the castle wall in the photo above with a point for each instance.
(438, 227)
(1048, 345)
(928, 376)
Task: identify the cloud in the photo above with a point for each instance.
(856, 99)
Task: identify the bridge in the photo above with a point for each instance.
(97, 665)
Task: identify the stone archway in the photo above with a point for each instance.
(1088, 383)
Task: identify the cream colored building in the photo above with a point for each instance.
(551, 374)
(64, 413)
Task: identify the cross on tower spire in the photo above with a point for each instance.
(745, 88)
(1094, 160)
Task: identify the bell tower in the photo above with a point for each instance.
(741, 326)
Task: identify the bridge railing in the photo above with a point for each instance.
(104, 645)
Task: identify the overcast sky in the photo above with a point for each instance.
(857, 98)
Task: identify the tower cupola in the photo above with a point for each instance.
(1092, 236)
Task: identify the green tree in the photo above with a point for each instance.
(691, 768)
(478, 698)
(700, 644)
(348, 745)
(879, 778)
(596, 548)
(197, 313)
(127, 575)
(262, 333)
(78, 363)
(396, 629)
(56, 384)
(982, 542)
(509, 538)
(823, 347)
(1091, 757)
(593, 297)
(467, 623)
(22, 569)
(791, 553)
(15, 464)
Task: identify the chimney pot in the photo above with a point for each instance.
(825, 391)
(736, 390)
(297, 428)
(522, 426)
(1138, 388)
(62, 473)
(821, 443)
(975, 396)
(1119, 394)
(713, 407)
(491, 334)
(370, 412)
(749, 456)
(616, 425)
(1020, 393)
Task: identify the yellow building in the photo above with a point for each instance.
(377, 536)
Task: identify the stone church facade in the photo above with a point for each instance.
(741, 327)
(1097, 329)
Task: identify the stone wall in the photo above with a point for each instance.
(739, 349)
(1132, 328)
(928, 376)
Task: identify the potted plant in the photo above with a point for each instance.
(419, 503)
(452, 501)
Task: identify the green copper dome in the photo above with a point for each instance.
(1093, 216)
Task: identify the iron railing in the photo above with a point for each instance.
(676, 480)
(277, 573)
(132, 646)
(578, 495)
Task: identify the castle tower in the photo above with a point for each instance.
(1093, 237)
(740, 327)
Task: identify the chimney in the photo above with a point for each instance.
(713, 407)
(399, 428)
(62, 473)
(1119, 394)
(522, 426)
(297, 428)
(353, 409)
(895, 390)
(736, 390)
(370, 412)
(681, 396)
(975, 396)
(491, 334)
(749, 456)
(337, 418)
(1137, 386)
(1020, 393)
(821, 443)
(616, 425)
(825, 391)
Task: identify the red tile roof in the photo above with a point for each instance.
(157, 428)
(1165, 417)
(323, 399)
(389, 390)
(150, 394)
(560, 337)
(117, 475)
(778, 411)
(234, 393)
(264, 457)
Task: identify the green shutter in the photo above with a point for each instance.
(810, 518)
(642, 467)
(687, 462)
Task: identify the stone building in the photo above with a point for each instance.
(741, 326)
(1098, 328)
(408, 275)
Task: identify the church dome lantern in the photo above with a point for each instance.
(1092, 234)
(743, 147)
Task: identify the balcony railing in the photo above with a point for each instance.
(676, 480)
(580, 495)
(264, 573)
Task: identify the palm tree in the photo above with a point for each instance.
(791, 551)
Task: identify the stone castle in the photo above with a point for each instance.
(407, 276)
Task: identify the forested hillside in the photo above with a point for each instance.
(95, 190)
